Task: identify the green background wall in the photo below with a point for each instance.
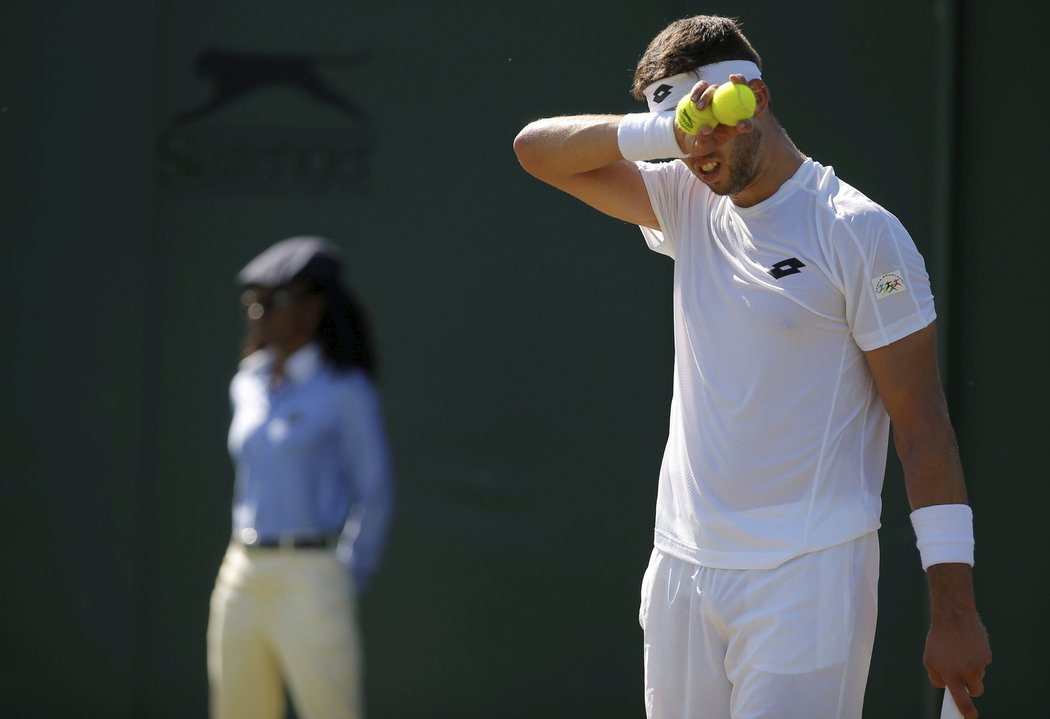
(525, 340)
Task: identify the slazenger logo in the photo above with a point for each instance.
(891, 283)
(202, 152)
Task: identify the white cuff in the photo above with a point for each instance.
(648, 136)
(944, 534)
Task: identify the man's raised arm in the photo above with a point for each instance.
(581, 156)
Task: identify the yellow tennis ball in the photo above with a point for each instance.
(732, 103)
(690, 119)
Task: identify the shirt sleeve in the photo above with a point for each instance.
(883, 278)
(663, 181)
(365, 457)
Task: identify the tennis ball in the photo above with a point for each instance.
(690, 119)
(732, 103)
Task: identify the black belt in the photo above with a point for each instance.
(289, 542)
(296, 543)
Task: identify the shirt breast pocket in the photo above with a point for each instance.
(295, 430)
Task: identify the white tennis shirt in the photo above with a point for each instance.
(777, 440)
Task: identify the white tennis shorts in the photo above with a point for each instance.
(787, 643)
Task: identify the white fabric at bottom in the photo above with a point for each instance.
(277, 617)
(792, 642)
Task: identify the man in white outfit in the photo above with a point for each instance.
(804, 325)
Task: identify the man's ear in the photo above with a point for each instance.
(761, 91)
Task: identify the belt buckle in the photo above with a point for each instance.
(247, 536)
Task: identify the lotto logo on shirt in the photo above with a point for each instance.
(891, 283)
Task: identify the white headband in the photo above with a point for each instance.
(663, 95)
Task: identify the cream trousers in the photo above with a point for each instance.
(283, 617)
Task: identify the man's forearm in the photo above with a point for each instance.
(565, 146)
(929, 454)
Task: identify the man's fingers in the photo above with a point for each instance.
(745, 125)
(699, 89)
(976, 687)
(703, 98)
(962, 700)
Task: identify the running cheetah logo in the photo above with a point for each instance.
(235, 74)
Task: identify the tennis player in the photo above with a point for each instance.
(804, 326)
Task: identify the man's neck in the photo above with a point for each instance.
(780, 162)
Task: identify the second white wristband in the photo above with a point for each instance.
(944, 534)
(648, 136)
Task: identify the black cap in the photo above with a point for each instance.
(310, 259)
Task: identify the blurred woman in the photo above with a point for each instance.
(312, 494)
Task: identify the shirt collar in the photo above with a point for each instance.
(298, 368)
(303, 364)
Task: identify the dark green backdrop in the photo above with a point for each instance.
(526, 341)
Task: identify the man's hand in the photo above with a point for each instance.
(707, 139)
(957, 649)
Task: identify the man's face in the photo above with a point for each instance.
(732, 166)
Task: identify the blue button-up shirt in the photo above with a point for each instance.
(311, 456)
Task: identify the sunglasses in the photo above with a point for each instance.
(256, 305)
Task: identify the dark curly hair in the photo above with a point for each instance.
(687, 44)
(345, 331)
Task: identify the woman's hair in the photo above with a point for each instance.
(344, 330)
(687, 44)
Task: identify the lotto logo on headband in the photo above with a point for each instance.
(661, 93)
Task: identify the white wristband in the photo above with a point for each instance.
(944, 534)
(648, 136)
